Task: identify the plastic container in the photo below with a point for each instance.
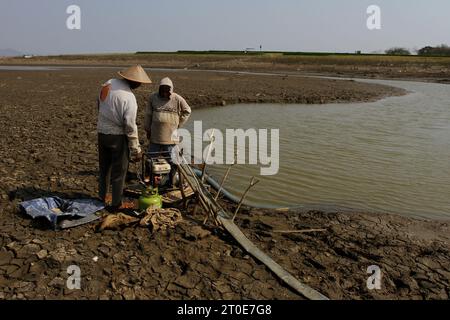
(150, 199)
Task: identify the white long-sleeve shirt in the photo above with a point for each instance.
(117, 112)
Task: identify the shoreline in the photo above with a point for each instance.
(427, 69)
(258, 72)
(212, 88)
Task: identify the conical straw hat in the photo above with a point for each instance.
(136, 74)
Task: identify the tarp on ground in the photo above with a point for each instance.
(55, 208)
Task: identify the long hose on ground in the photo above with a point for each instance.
(228, 195)
(238, 235)
(213, 183)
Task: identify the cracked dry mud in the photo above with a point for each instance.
(49, 148)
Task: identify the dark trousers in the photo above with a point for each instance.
(113, 158)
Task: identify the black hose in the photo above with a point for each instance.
(233, 198)
(228, 195)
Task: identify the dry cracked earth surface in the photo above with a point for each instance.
(48, 123)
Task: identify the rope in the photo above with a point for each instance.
(161, 219)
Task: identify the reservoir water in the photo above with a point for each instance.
(392, 155)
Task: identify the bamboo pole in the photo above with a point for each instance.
(223, 181)
(208, 154)
(253, 182)
(222, 217)
(226, 176)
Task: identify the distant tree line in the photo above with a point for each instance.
(398, 51)
(442, 50)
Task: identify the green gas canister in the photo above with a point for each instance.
(150, 199)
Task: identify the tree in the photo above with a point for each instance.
(442, 50)
(398, 51)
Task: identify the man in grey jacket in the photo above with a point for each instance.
(118, 140)
(165, 113)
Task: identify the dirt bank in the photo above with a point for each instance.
(201, 89)
(47, 124)
(436, 69)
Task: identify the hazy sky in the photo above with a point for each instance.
(39, 26)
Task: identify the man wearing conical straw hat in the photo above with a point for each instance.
(118, 141)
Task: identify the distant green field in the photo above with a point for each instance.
(279, 53)
(251, 59)
(255, 53)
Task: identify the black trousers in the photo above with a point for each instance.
(113, 158)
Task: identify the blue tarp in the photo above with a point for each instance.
(54, 208)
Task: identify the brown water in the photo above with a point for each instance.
(387, 156)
